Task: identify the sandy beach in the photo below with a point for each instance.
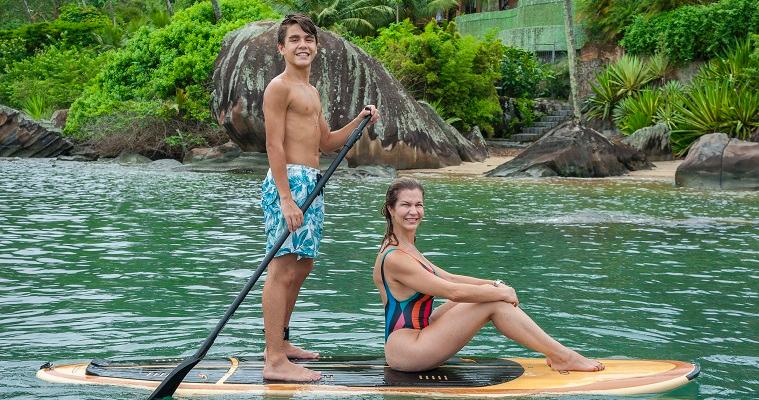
(662, 171)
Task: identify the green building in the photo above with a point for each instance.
(533, 25)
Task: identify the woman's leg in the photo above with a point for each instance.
(452, 329)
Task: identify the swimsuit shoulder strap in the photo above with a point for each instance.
(425, 266)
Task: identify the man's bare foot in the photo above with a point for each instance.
(573, 361)
(294, 352)
(285, 370)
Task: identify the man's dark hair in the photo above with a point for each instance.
(303, 21)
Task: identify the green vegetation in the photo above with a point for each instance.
(697, 32)
(158, 63)
(441, 67)
(721, 98)
(53, 78)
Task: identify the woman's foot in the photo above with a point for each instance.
(573, 361)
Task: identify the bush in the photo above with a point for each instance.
(156, 63)
(76, 27)
(521, 73)
(54, 77)
(441, 67)
(555, 84)
(696, 32)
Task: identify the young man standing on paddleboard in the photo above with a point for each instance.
(296, 131)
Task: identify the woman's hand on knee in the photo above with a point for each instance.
(510, 295)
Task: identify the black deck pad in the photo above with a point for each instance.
(344, 371)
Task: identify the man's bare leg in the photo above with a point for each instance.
(292, 351)
(282, 283)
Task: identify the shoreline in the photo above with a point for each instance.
(662, 171)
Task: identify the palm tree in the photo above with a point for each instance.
(359, 17)
(569, 32)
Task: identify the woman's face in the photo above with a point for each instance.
(408, 210)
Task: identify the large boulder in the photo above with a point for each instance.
(573, 150)
(652, 140)
(717, 161)
(21, 136)
(407, 136)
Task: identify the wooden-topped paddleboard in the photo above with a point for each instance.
(459, 377)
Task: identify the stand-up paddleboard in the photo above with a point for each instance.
(459, 377)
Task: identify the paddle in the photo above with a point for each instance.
(169, 385)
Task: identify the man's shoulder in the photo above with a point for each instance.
(277, 85)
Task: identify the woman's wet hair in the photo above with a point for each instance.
(391, 197)
(301, 20)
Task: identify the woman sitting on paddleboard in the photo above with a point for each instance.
(418, 338)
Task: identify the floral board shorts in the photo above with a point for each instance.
(304, 242)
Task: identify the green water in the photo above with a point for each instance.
(101, 261)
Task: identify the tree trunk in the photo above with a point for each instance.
(110, 10)
(569, 32)
(169, 8)
(56, 8)
(216, 10)
(28, 11)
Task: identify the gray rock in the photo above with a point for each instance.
(21, 136)
(223, 153)
(717, 161)
(245, 162)
(59, 118)
(165, 164)
(571, 150)
(653, 141)
(129, 158)
(75, 157)
(385, 172)
(475, 136)
(407, 135)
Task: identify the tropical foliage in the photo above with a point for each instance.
(606, 20)
(53, 78)
(695, 32)
(157, 64)
(721, 98)
(439, 66)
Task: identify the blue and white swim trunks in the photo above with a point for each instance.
(304, 242)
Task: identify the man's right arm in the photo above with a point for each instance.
(275, 111)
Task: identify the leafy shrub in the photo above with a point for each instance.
(440, 66)
(605, 20)
(38, 107)
(623, 78)
(157, 62)
(56, 75)
(76, 27)
(692, 32)
(521, 73)
(555, 83)
(637, 111)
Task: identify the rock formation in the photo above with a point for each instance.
(717, 161)
(407, 136)
(570, 150)
(21, 136)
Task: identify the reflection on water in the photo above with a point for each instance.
(102, 261)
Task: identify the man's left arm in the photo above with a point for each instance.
(331, 141)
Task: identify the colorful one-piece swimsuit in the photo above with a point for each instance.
(413, 312)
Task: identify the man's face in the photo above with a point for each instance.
(299, 48)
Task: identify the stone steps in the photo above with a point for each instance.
(543, 125)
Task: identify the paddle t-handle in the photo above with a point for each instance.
(170, 384)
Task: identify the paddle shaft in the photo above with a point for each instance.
(169, 385)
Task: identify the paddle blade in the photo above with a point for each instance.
(170, 384)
